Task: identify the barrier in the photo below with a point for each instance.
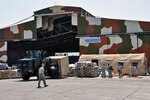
(8, 74)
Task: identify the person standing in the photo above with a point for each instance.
(103, 73)
(110, 70)
(42, 76)
(120, 67)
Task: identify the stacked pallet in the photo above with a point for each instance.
(8, 74)
(86, 71)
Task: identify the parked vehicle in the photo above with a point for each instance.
(29, 67)
(54, 65)
(2, 67)
(57, 66)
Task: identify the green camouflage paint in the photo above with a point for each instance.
(43, 11)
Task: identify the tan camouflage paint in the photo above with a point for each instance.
(18, 31)
(3, 51)
(117, 36)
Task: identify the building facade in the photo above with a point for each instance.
(95, 35)
(113, 36)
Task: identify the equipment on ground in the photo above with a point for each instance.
(28, 67)
(54, 66)
(57, 66)
(87, 69)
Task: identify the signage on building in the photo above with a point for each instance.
(92, 39)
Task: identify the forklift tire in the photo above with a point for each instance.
(54, 76)
(26, 75)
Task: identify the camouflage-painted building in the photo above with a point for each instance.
(18, 32)
(95, 35)
(113, 36)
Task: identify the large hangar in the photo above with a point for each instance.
(73, 29)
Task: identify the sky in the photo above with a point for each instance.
(13, 11)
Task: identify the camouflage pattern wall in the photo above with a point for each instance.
(109, 35)
(28, 30)
(115, 36)
(63, 10)
(3, 51)
(58, 11)
(92, 26)
(18, 32)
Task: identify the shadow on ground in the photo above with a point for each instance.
(35, 79)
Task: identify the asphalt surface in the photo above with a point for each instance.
(137, 88)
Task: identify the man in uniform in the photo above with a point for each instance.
(41, 76)
(110, 70)
(103, 73)
(120, 67)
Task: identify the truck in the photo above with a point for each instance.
(55, 66)
(28, 67)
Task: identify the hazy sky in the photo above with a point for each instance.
(15, 10)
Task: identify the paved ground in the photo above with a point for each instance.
(77, 89)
